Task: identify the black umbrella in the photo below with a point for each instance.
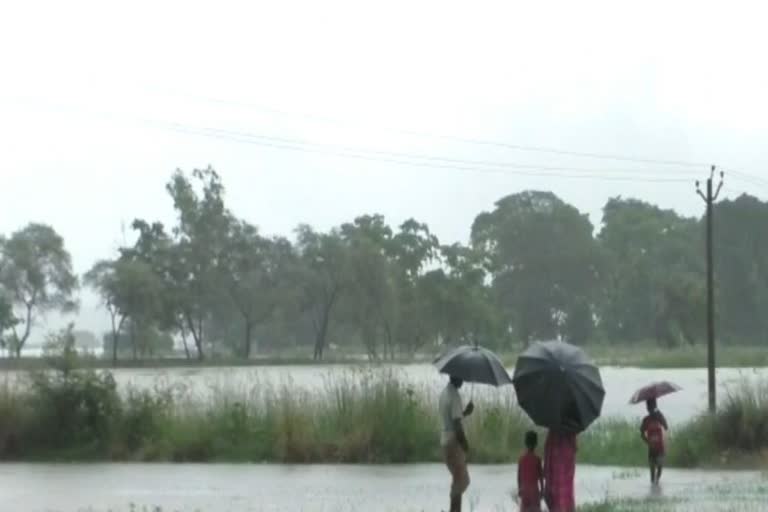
(558, 386)
(473, 364)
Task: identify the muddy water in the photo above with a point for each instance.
(321, 488)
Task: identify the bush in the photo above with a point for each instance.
(742, 422)
(77, 409)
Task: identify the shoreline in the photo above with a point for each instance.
(98, 363)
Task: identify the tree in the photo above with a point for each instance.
(7, 319)
(412, 249)
(141, 340)
(197, 258)
(460, 305)
(132, 290)
(188, 266)
(325, 268)
(103, 278)
(652, 286)
(542, 259)
(257, 270)
(36, 273)
(370, 303)
(741, 267)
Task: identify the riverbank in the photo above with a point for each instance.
(648, 355)
(643, 355)
(358, 416)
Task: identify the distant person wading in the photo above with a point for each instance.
(453, 440)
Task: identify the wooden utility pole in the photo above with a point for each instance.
(710, 199)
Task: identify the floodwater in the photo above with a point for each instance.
(339, 488)
(620, 383)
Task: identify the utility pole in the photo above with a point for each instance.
(710, 199)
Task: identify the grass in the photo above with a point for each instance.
(363, 416)
(662, 506)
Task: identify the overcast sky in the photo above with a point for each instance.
(99, 104)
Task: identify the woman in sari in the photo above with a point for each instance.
(559, 471)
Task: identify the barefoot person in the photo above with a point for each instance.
(530, 476)
(453, 440)
(652, 431)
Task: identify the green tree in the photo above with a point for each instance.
(741, 269)
(369, 304)
(198, 256)
(7, 319)
(652, 287)
(413, 249)
(189, 265)
(257, 275)
(132, 290)
(139, 340)
(461, 306)
(543, 261)
(326, 276)
(36, 272)
(104, 279)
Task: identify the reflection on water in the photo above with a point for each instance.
(272, 488)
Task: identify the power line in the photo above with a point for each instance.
(464, 140)
(748, 177)
(518, 169)
(430, 158)
(741, 175)
(520, 147)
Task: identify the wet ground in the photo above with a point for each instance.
(342, 488)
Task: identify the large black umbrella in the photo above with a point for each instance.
(473, 364)
(558, 386)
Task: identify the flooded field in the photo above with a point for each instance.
(620, 383)
(324, 488)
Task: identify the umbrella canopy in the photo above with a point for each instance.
(473, 364)
(558, 386)
(655, 390)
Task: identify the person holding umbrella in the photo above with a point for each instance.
(453, 440)
(463, 364)
(560, 471)
(654, 424)
(652, 431)
(560, 389)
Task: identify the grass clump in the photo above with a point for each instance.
(362, 416)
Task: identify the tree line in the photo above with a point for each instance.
(533, 268)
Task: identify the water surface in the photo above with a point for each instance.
(338, 488)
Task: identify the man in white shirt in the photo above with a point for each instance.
(452, 439)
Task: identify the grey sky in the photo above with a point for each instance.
(88, 91)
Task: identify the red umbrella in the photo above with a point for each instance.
(655, 390)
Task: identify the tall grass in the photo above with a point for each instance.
(361, 416)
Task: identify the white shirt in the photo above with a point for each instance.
(451, 409)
